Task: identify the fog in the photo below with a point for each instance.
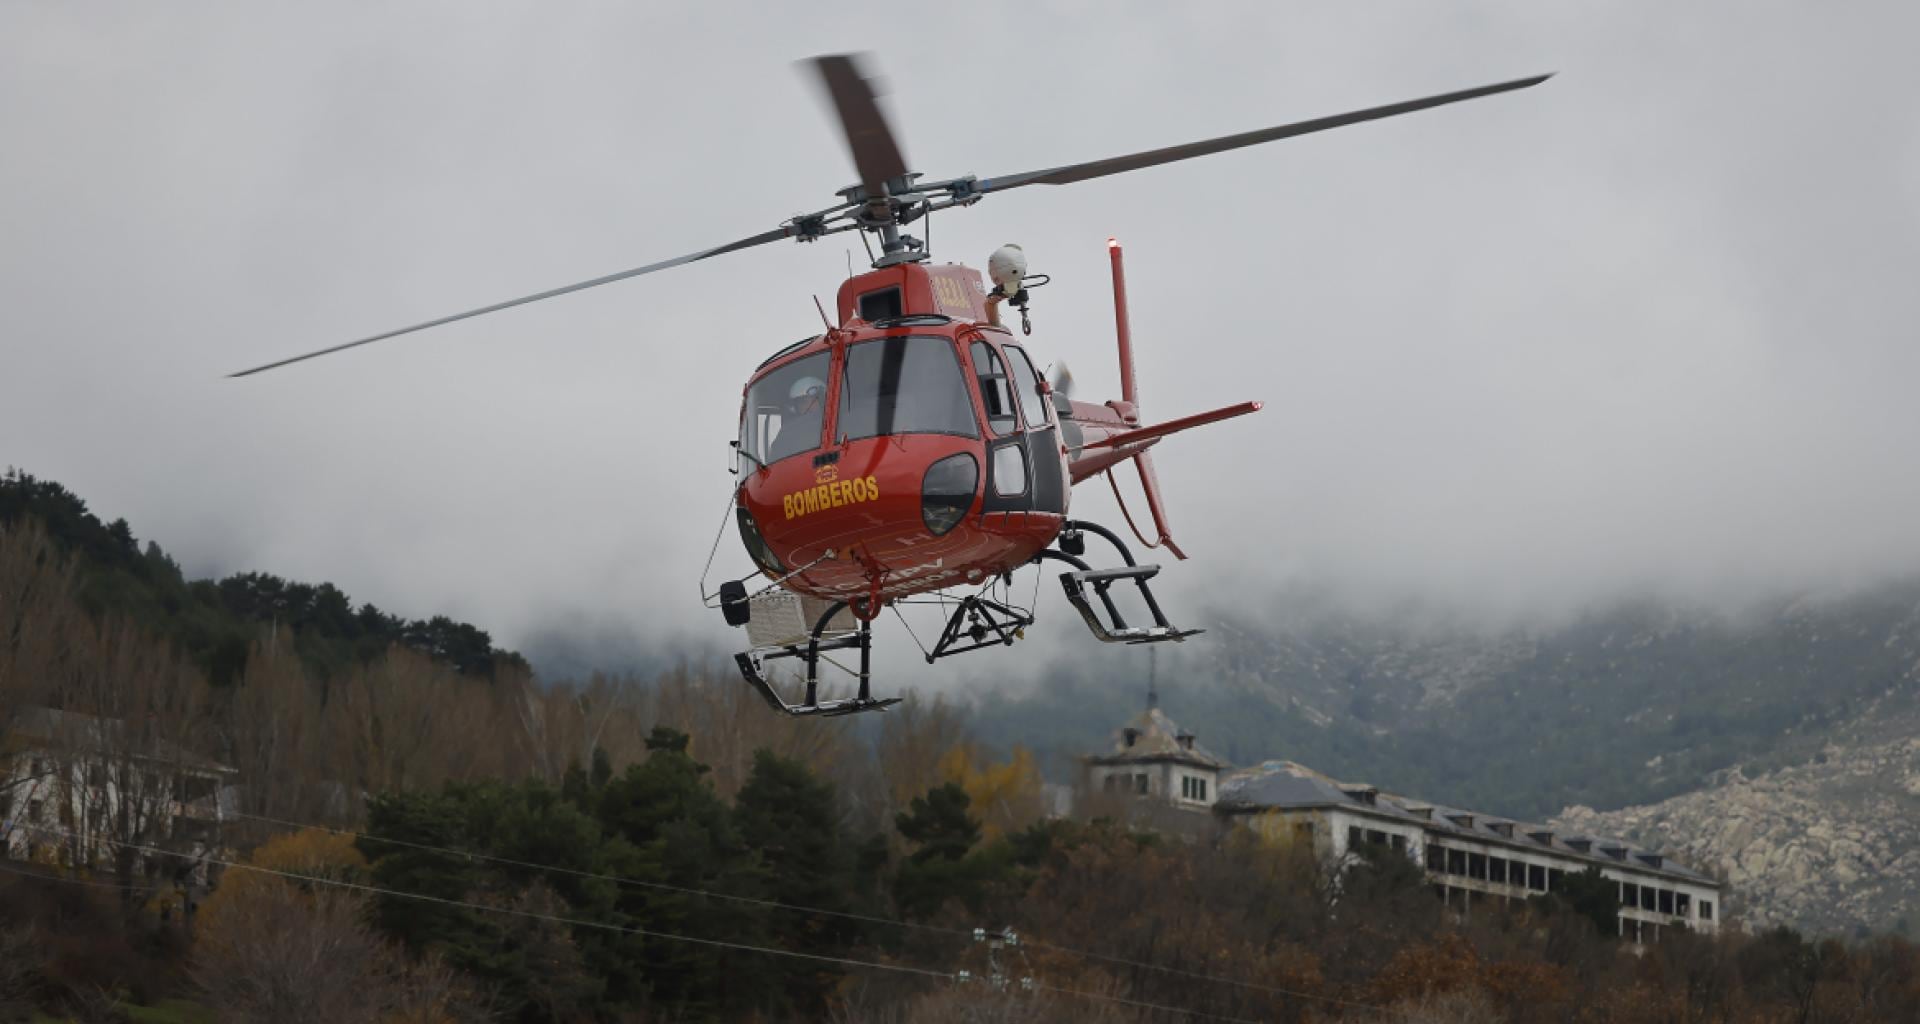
(1646, 328)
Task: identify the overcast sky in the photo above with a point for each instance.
(1650, 325)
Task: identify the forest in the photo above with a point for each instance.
(415, 828)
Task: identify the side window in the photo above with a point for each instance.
(996, 389)
(785, 411)
(1010, 470)
(1032, 401)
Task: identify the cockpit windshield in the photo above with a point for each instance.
(911, 385)
(786, 410)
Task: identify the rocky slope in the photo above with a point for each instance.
(1832, 844)
(1770, 741)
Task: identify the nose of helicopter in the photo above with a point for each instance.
(848, 515)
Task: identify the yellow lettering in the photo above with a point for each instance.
(859, 489)
(812, 499)
(873, 489)
(846, 492)
(787, 504)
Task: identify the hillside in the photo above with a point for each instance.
(1832, 843)
(1630, 705)
(1790, 716)
(214, 622)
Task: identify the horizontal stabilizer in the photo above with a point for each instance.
(1159, 430)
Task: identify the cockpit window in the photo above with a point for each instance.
(1032, 401)
(910, 385)
(996, 389)
(786, 410)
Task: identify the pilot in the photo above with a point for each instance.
(802, 420)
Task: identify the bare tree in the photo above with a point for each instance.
(127, 737)
(270, 726)
(280, 954)
(915, 736)
(729, 722)
(407, 722)
(40, 623)
(562, 725)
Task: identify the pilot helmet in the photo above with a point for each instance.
(806, 396)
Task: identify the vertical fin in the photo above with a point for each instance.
(1150, 483)
(1130, 399)
(1124, 331)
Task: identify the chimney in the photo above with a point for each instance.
(1130, 734)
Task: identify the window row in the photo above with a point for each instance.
(1466, 864)
(1374, 837)
(1662, 901)
(903, 385)
(1537, 878)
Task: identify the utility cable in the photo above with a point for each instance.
(530, 914)
(616, 879)
(795, 908)
(750, 900)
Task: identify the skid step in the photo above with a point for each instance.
(1125, 572)
(1113, 628)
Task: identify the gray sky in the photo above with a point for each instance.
(1648, 326)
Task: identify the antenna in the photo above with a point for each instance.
(823, 314)
(1153, 672)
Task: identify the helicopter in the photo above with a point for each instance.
(913, 451)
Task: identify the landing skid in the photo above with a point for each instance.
(810, 655)
(977, 622)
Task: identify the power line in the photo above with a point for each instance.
(645, 932)
(616, 879)
(775, 904)
(534, 915)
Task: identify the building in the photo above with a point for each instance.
(1152, 756)
(1473, 859)
(1156, 775)
(73, 787)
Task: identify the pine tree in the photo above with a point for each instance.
(789, 818)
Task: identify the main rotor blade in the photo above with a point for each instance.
(745, 243)
(876, 155)
(1152, 158)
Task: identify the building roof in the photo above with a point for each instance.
(57, 727)
(1285, 785)
(1152, 736)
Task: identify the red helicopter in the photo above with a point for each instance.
(913, 452)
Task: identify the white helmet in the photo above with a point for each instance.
(1007, 266)
(806, 395)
